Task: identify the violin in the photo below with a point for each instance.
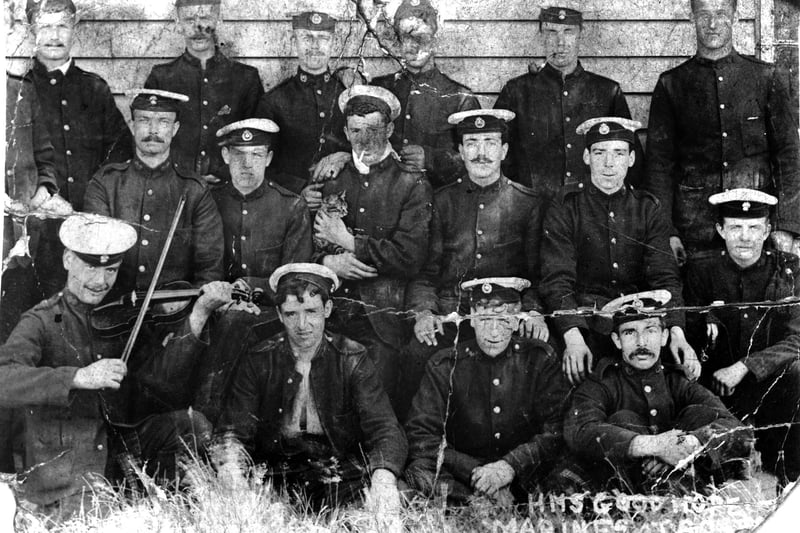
(169, 304)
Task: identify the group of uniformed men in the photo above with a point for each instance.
(530, 248)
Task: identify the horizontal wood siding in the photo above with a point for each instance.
(482, 43)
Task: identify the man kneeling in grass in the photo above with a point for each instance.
(639, 424)
(486, 420)
(310, 405)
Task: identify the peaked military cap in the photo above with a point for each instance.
(561, 15)
(743, 203)
(156, 100)
(314, 273)
(382, 98)
(637, 306)
(98, 240)
(420, 9)
(184, 3)
(608, 129)
(315, 21)
(481, 120)
(35, 7)
(503, 290)
(249, 132)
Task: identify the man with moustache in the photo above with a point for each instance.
(545, 152)
(492, 406)
(305, 107)
(384, 235)
(483, 225)
(605, 240)
(638, 423)
(145, 192)
(265, 226)
(78, 110)
(310, 403)
(220, 90)
(427, 97)
(85, 409)
(751, 352)
(722, 121)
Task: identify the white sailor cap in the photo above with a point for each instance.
(379, 96)
(97, 239)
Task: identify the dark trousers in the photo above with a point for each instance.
(773, 402)
(232, 333)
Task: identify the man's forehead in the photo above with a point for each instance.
(52, 18)
(611, 145)
(735, 221)
(201, 10)
(414, 26)
(375, 118)
(309, 302)
(248, 149)
(489, 135)
(554, 26)
(144, 113)
(318, 34)
(714, 5)
(640, 324)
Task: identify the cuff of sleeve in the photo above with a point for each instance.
(361, 248)
(60, 395)
(523, 457)
(759, 370)
(620, 449)
(566, 323)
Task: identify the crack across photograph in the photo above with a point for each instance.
(323, 265)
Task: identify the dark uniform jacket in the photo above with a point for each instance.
(148, 198)
(545, 152)
(507, 407)
(718, 125)
(659, 394)
(353, 408)
(30, 160)
(597, 247)
(389, 212)
(306, 108)
(263, 230)
(766, 340)
(86, 128)
(65, 430)
(225, 91)
(426, 100)
(479, 232)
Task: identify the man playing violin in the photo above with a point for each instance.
(82, 404)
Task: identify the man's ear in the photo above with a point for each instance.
(615, 340)
(586, 156)
(226, 155)
(505, 152)
(175, 127)
(270, 155)
(280, 315)
(389, 130)
(328, 308)
(664, 336)
(66, 259)
(719, 230)
(461, 151)
(631, 157)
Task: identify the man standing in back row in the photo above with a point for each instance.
(546, 153)
(721, 121)
(220, 90)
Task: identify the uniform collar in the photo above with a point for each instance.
(731, 58)
(765, 256)
(138, 164)
(258, 193)
(493, 188)
(553, 72)
(424, 76)
(72, 301)
(218, 57)
(63, 70)
(595, 191)
(312, 79)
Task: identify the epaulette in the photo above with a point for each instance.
(448, 186)
(283, 191)
(280, 84)
(605, 364)
(267, 345)
(345, 346)
(19, 77)
(108, 167)
(754, 59)
(49, 303)
(524, 345)
(462, 88)
(408, 169)
(788, 263)
(565, 194)
(92, 75)
(522, 188)
(187, 174)
(645, 194)
(462, 350)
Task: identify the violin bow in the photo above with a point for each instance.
(126, 354)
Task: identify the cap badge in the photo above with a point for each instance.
(604, 129)
(486, 288)
(103, 259)
(316, 18)
(414, 3)
(637, 303)
(745, 206)
(153, 100)
(247, 136)
(562, 15)
(480, 123)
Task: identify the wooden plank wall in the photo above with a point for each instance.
(482, 43)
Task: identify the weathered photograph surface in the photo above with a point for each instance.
(401, 265)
